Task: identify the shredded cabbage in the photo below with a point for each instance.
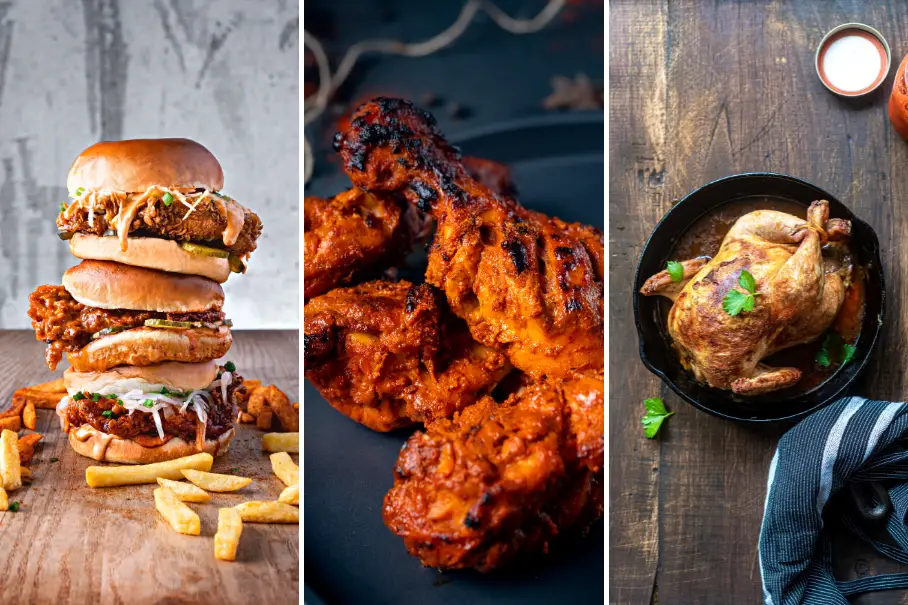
(134, 400)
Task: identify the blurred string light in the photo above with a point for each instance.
(329, 83)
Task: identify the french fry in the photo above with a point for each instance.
(29, 417)
(15, 410)
(230, 527)
(285, 469)
(281, 442)
(4, 500)
(290, 495)
(26, 474)
(112, 476)
(263, 420)
(213, 482)
(26, 446)
(258, 511)
(181, 518)
(10, 475)
(186, 492)
(51, 386)
(280, 405)
(39, 397)
(13, 423)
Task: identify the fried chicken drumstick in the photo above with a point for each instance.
(498, 480)
(390, 355)
(528, 284)
(356, 235)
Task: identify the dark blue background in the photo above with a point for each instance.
(500, 79)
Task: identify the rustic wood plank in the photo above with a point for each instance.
(72, 544)
(637, 199)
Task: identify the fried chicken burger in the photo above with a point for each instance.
(140, 415)
(156, 203)
(108, 314)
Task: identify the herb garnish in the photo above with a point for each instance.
(675, 270)
(148, 403)
(62, 206)
(167, 198)
(230, 366)
(14, 506)
(54, 459)
(655, 416)
(96, 397)
(78, 396)
(235, 469)
(107, 413)
(164, 391)
(736, 301)
(834, 346)
(79, 191)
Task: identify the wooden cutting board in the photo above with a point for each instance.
(70, 543)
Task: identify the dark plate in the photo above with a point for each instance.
(655, 343)
(350, 556)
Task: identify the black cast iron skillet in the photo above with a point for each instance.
(655, 343)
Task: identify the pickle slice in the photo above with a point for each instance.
(203, 250)
(236, 264)
(107, 331)
(166, 323)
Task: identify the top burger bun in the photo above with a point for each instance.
(133, 166)
(150, 252)
(109, 285)
(175, 376)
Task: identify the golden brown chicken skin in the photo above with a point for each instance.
(390, 355)
(356, 236)
(502, 479)
(524, 282)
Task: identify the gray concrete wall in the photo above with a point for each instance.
(222, 72)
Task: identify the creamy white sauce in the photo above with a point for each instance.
(852, 63)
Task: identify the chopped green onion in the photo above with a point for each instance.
(235, 469)
(14, 506)
(107, 413)
(230, 366)
(119, 401)
(96, 397)
(164, 391)
(54, 459)
(148, 403)
(219, 374)
(79, 191)
(62, 206)
(78, 396)
(167, 198)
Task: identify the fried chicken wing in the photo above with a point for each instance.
(356, 235)
(498, 480)
(524, 282)
(389, 355)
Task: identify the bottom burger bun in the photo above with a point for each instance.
(172, 375)
(151, 253)
(146, 346)
(92, 443)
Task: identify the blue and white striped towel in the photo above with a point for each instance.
(854, 439)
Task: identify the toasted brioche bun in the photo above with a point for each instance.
(173, 375)
(150, 252)
(109, 285)
(148, 346)
(133, 166)
(109, 448)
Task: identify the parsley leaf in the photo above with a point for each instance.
(675, 270)
(848, 352)
(14, 506)
(822, 358)
(736, 301)
(655, 416)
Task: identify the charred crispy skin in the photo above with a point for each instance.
(140, 427)
(352, 236)
(67, 325)
(204, 225)
(524, 282)
(356, 235)
(388, 355)
(498, 480)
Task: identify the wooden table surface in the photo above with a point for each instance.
(71, 544)
(699, 91)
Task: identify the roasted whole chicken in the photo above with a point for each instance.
(502, 479)
(797, 296)
(389, 355)
(528, 284)
(356, 236)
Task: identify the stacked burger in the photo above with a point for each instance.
(140, 318)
